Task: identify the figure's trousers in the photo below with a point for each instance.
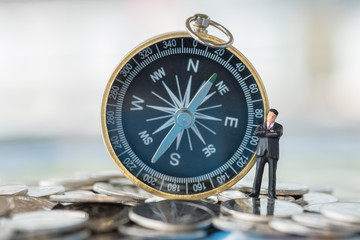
(260, 163)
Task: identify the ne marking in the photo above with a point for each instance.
(233, 169)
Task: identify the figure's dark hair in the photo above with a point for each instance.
(273, 110)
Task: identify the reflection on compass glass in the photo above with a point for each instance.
(151, 94)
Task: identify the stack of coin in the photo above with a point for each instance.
(103, 217)
(106, 205)
(274, 218)
(252, 215)
(170, 219)
(284, 191)
(48, 224)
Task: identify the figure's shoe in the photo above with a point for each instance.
(272, 197)
(253, 195)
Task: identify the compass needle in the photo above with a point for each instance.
(167, 124)
(165, 144)
(201, 94)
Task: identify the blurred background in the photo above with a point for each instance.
(56, 57)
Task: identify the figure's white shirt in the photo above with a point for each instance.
(267, 124)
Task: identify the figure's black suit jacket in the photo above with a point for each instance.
(268, 141)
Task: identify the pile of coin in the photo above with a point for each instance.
(106, 205)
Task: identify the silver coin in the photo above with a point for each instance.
(319, 221)
(154, 199)
(81, 234)
(107, 236)
(22, 204)
(140, 232)
(230, 194)
(282, 189)
(44, 191)
(321, 189)
(5, 232)
(5, 205)
(284, 198)
(171, 215)
(300, 201)
(293, 228)
(69, 183)
(77, 235)
(259, 210)
(316, 198)
(131, 192)
(13, 189)
(227, 223)
(211, 199)
(213, 208)
(313, 208)
(263, 230)
(122, 182)
(342, 211)
(48, 221)
(103, 217)
(82, 196)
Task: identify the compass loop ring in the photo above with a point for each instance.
(200, 22)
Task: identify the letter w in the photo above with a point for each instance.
(136, 103)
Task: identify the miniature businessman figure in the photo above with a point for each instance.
(267, 151)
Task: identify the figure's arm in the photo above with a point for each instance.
(260, 131)
(276, 133)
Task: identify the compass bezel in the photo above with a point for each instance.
(104, 128)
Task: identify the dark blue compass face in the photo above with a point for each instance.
(144, 101)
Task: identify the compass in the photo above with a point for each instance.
(179, 111)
